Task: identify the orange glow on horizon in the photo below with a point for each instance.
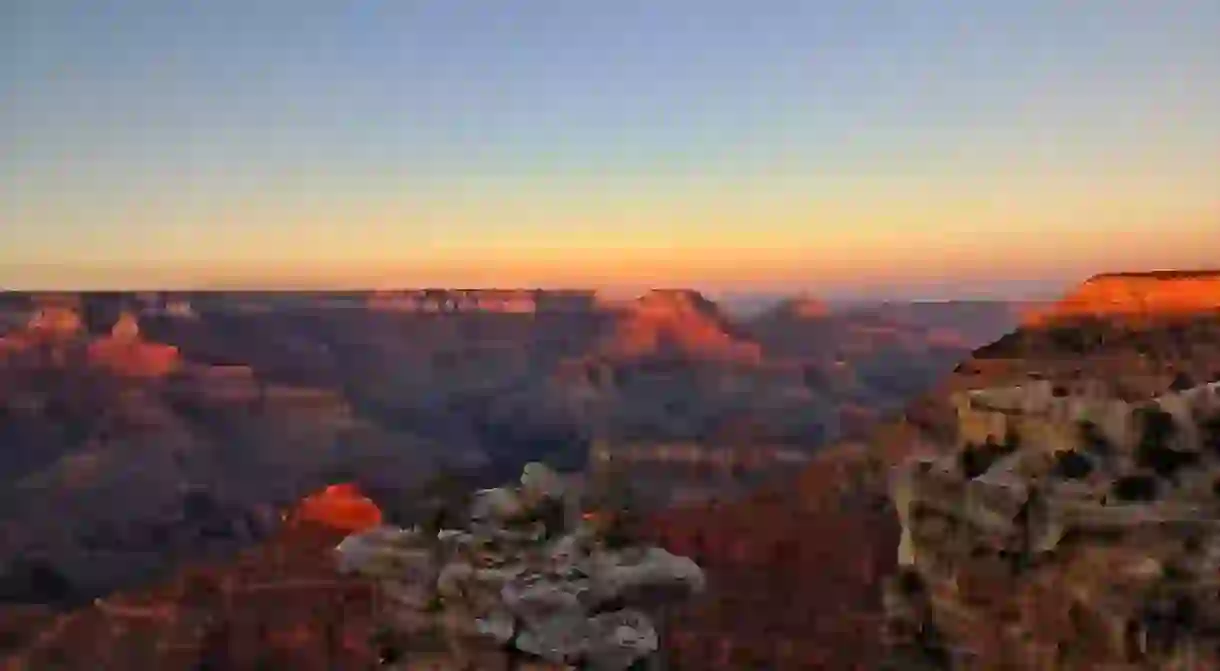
(873, 252)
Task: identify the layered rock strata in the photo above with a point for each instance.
(1063, 533)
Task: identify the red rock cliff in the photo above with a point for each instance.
(1137, 295)
(682, 321)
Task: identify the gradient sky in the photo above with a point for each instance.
(831, 145)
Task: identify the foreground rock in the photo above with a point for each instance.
(530, 574)
(1065, 531)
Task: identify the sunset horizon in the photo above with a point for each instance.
(836, 149)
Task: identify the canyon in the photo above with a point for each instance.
(140, 430)
(768, 540)
(1062, 514)
(816, 601)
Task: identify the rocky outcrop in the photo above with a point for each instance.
(677, 323)
(530, 574)
(1063, 532)
(1134, 295)
(1130, 337)
(126, 328)
(125, 354)
(56, 319)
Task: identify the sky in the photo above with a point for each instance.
(834, 147)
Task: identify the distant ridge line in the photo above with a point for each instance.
(1161, 274)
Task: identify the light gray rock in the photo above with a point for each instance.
(499, 624)
(502, 580)
(618, 639)
(617, 574)
(385, 552)
(539, 482)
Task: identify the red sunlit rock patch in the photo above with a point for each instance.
(340, 507)
(1136, 295)
(682, 321)
(134, 358)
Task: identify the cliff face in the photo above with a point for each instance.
(1136, 335)
(1064, 532)
(976, 591)
(682, 323)
(1064, 516)
(1136, 295)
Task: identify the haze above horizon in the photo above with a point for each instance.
(938, 148)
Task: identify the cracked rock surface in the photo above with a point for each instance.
(1065, 532)
(531, 572)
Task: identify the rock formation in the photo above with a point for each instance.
(125, 354)
(79, 439)
(1127, 295)
(57, 319)
(340, 507)
(126, 328)
(530, 573)
(1064, 531)
(677, 323)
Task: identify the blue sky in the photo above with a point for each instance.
(773, 143)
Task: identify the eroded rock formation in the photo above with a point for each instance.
(225, 423)
(530, 573)
(1155, 294)
(124, 353)
(1064, 531)
(677, 322)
